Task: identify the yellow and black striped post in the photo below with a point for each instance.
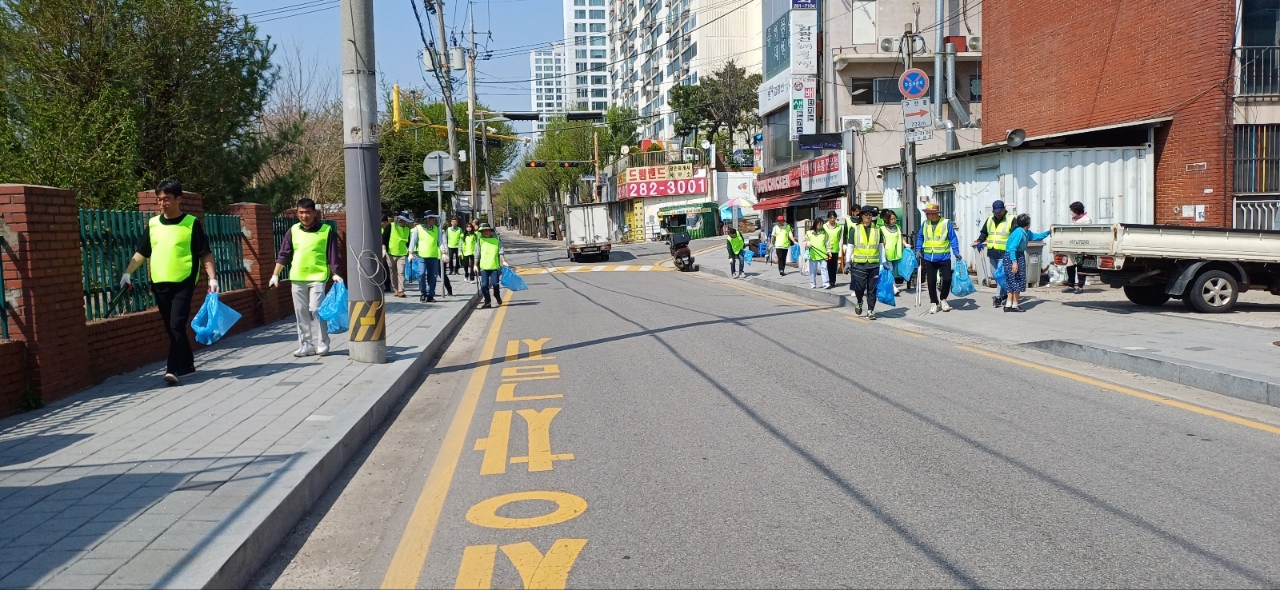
(368, 321)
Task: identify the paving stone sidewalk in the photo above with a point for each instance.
(134, 484)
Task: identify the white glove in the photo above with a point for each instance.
(213, 285)
(337, 279)
(126, 281)
(274, 282)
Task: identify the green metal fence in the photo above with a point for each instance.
(280, 226)
(108, 240)
(226, 240)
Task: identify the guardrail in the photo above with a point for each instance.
(226, 241)
(108, 240)
(1258, 71)
(1257, 214)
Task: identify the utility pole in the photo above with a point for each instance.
(367, 313)
(911, 219)
(446, 88)
(476, 201)
(595, 159)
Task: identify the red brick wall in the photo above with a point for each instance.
(1101, 62)
(13, 375)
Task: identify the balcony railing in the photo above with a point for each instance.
(1258, 71)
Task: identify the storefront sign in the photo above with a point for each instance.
(804, 4)
(668, 188)
(822, 141)
(804, 42)
(774, 93)
(823, 172)
(804, 106)
(832, 205)
(777, 46)
(778, 182)
(648, 173)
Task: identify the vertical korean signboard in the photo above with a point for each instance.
(804, 42)
(804, 106)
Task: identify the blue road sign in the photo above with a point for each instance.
(913, 83)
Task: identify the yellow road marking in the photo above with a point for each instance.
(495, 445)
(1133, 392)
(540, 457)
(411, 554)
(485, 514)
(507, 393)
(536, 570)
(909, 333)
(476, 570)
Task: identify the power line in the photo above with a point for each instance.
(289, 7)
(282, 16)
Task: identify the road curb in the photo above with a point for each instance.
(251, 535)
(1242, 385)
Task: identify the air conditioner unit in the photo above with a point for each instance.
(859, 123)
(890, 44)
(975, 44)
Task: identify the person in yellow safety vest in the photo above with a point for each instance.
(835, 243)
(866, 254)
(782, 237)
(453, 236)
(816, 239)
(397, 250)
(994, 234)
(936, 244)
(311, 250)
(469, 239)
(177, 247)
(736, 245)
(851, 221)
(489, 263)
(893, 243)
(426, 243)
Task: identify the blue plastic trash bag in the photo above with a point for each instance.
(747, 255)
(333, 309)
(961, 284)
(511, 280)
(795, 253)
(214, 320)
(907, 265)
(884, 288)
(413, 269)
(998, 275)
(764, 249)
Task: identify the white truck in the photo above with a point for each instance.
(587, 232)
(1206, 268)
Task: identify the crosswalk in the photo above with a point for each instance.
(595, 268)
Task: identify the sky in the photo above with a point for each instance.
(507, 27)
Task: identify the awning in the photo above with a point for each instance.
(774, 202)
(812, 197)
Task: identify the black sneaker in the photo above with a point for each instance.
(498, 298)
(1079, 291)
(431, 300)
(486, 305)
(422, 299)
(996, 302)
(1015, 309)
(871, 315)
(857, 309)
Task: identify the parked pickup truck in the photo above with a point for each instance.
(587, 232)
(1205, 268)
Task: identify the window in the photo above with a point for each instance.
(579, 14)
(582, 80)
(1257, 159)
(579, 27)
(580, 53)
(597, 67)
(975, 88)
(580, 41)
(579, 2)
(597, 2)
(597, 14)
(582, 105)
(597, 54)
(597, 41)
(582, 93)
(598, 80)
(874, 91)
(945, 197)
(600, 106)
(597, 27)
(599, 93)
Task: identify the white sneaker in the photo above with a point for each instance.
(304, 350)
(945, 307)
(322, 349)
(933, 308)
(170, 378)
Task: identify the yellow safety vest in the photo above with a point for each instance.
(892, 243)
(866, 245)
(428, 242)
(490, 258)
(310, 254)
(817, 245)
(735, 243)
(469, 244)
(454, 236)
(399, 243)
(937, 237)
(782, 236)
(833, 237)
(171, 260)
(998, 233)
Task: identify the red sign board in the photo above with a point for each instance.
(665, 188)
(778, 182)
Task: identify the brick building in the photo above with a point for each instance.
(1113, 73)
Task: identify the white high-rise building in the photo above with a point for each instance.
(588, 55)
(548, 91)
(660, 45)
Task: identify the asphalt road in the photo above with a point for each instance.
(678, 430)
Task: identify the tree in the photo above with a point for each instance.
(108, 97)
(620, 129)
(691, 110)
(725, 100)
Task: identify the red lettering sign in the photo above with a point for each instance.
(665, 188)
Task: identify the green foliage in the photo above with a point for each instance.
(725, 100)
(107, 97)
(401, 154)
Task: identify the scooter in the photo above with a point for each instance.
(680, 252)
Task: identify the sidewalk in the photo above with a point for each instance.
(1232, 354)
(134, 484)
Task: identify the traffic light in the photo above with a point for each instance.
(568, 164)
(584, 116)
(535, 164)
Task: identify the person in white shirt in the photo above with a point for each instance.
(1075, 280)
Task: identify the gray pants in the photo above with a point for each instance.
(397, 272)
(306, 300)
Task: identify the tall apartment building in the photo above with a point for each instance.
(547, 94)
(661, 44)
(588, 55)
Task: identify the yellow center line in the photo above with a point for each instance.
(411, 554)
(1133, 392)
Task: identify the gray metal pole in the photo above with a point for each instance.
(476, 201)
(938, 36)
(368, 343)
(447, 90)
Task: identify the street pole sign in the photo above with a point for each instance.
(917, 119)
(913, 83)
(437, 185)
(438, 164)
